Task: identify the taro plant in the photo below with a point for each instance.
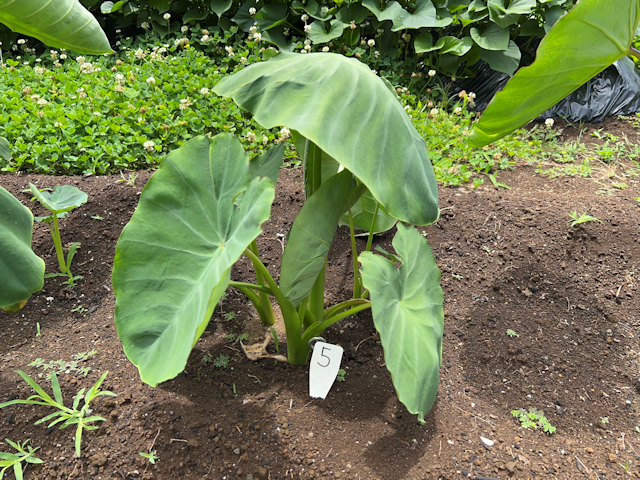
(60, 202)
(60, 23)
(201, 211)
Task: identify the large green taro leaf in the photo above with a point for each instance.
(58, 23)
(364, 210)
(21, 270)
(196, 216)
(406, 304)
(592, 36)
(312, 233)
(345, 109)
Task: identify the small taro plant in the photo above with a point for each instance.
(8, 460)
(60, 202)
(65, 416)
(365, 166)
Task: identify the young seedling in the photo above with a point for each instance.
(533, 419)
(341, 374)
(583, 218)
(64, 416)
(62, 200)
(15, 459)
(512, 333)
(151, 456)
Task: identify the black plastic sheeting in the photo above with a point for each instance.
(614, 91)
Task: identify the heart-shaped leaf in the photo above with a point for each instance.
(406, 304)
(63, 198)
(22, 270)
(60, 24)
(424, 14)
(600, 33)
(196, 216)
(341, 106)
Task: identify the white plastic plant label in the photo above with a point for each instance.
(323, 370)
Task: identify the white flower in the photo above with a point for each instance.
(148, 145)
(257, 37)
(406, 37)
(285, 132)
(184, 29)
(119, 77)
(325, 49)
(38, 70)
(251, 137)
(376, 54)
(184, 104)
(352, 25)
(307, 28)
(549, 122)
(63, 56)
(151, 80)
(253, 29)
(205, 38)
(304, 18)
(97, 114)
(139, 54)
(307, 41)
(229, 49)
(57, 125)
(457, 110)
(42, 102)
(21, 41)
(324, 11)
(434, 111)
(166, 16)
(431, 73)
(145, 25)
(265, 140)
(472, 96)
(204, 91)
(80, 59)
(252, 11)
(371, 42)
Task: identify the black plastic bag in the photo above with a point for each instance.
(614, 91)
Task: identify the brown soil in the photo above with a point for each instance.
(509, 261)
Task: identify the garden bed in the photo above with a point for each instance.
(510, 262)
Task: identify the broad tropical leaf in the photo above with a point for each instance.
(196, 216)
(593, 35)
(345, 109)
(5, 149)
(22, 270)
(64, 198)
(312, 233)
(57, 23)
(406, 304)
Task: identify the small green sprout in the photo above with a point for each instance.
(512, 333)
(151, 456)
(15, 459)
(583, 218)
(604, 420)
(222, 361)
(97, 217)
(65, 416)
(341, 374)
(533, 419)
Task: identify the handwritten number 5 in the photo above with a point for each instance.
(323, 355)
